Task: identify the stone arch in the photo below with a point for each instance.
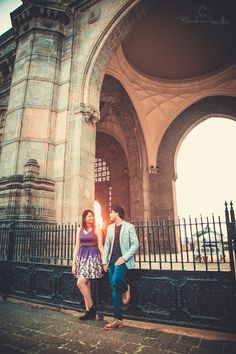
(164, 186)
(85, 105)
(105, 47)
(126, 129)
(119, 120)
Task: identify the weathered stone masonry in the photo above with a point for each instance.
(70, 92)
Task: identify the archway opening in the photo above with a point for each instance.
(120, 143)
(206, 170)
(111, 176)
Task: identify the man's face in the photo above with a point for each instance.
(113, 216)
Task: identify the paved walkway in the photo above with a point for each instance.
(38, 329)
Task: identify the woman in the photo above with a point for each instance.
(87, 263)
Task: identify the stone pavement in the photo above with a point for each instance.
(39, 329)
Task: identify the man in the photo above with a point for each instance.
(118, 256)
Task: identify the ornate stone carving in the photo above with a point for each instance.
(94, 15)
(91, 115)
(7, 57)
(30, 10)
(153, 170)
(9, 50)
(47, 23)
(27, 197)
(31, 168)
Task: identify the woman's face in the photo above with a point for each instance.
(89, 218)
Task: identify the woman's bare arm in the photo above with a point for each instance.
(76, 249)
(98, 232)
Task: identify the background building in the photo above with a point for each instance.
(112, 87)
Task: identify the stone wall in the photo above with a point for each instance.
(64, 79)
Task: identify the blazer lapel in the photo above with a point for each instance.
(112, 232)
(122, 230)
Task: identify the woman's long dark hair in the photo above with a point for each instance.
(85, 213)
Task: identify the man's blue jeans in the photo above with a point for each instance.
(118, 286)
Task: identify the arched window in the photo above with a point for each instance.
(103, 189)
(102, 173)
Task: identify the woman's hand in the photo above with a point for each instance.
(73, 269)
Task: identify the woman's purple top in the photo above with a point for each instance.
(88, 244)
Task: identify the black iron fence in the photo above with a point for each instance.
(193, 244)
(185, 270)
(185, 245)
(37, 243)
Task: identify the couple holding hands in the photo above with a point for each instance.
(91, 258)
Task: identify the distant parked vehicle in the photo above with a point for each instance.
(209, 252)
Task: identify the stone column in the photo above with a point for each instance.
(31, 116)
(166, 197)
(80, 159)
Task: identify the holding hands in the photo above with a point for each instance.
(105, 267)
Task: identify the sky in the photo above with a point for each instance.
(206, 168)
(7, 6)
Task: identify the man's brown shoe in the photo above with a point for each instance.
(114, 325)
(126, 296)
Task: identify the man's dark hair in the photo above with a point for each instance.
(118, 209)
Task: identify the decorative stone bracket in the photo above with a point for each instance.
(153, 170)
(91, 115)
(33, 9)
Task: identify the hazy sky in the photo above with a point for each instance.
(206, 167)
(7, 6)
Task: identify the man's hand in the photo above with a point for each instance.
(105, 267)
(119, 261)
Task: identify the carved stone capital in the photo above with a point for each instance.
(32, 9)
(91, 115)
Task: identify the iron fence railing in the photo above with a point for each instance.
(197, 245)
(185, 245)
(38, 243)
